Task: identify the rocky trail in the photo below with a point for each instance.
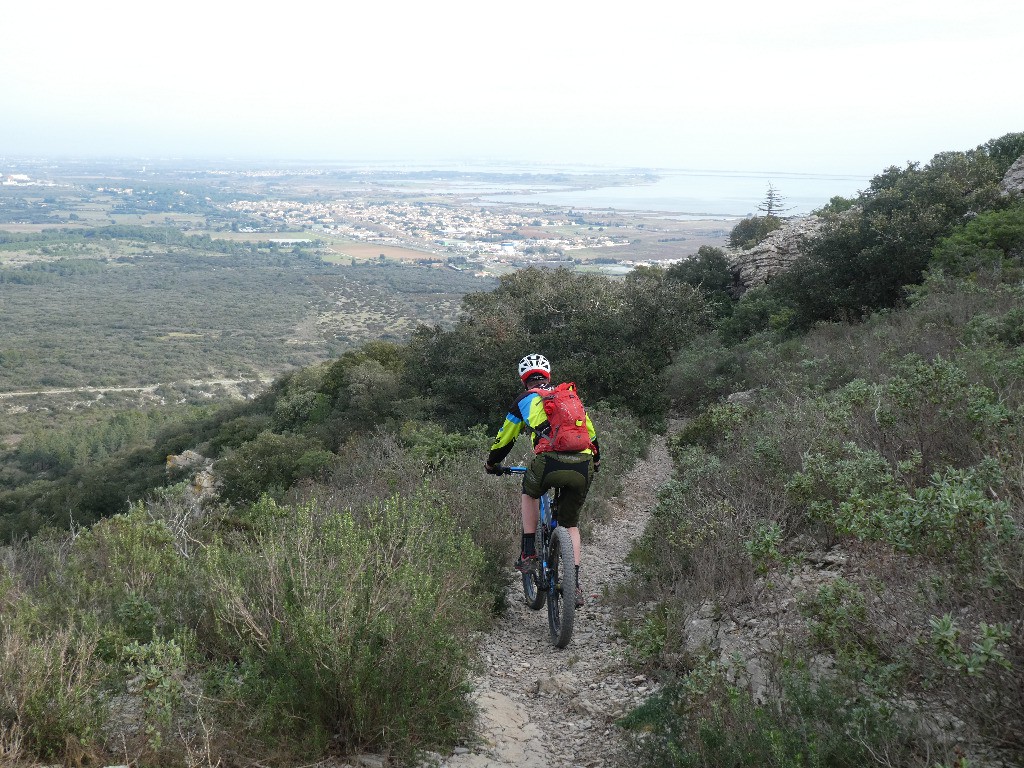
(540, 705)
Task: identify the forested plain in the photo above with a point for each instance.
(324, 597)
(136, 306)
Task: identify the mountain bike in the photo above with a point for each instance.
(553, 580)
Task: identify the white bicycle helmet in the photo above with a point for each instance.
(532, 364)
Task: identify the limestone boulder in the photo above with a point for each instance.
(776, 253)
(1013, 181)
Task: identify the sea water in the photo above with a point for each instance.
(703, 194)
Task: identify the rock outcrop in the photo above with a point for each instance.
(1013, 181)
(204, 484)
(776, 253)
(756, 266)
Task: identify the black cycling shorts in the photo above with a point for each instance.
(569, 472)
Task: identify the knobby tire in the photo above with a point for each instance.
(562, 588)
(532, 591)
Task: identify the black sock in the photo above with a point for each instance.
(577, 575)
(528, 544)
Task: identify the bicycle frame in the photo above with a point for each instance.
(555, 580)
(545, 522)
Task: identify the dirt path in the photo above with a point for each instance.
(539, 705)
(148, 388)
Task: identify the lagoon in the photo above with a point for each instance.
(700, 194)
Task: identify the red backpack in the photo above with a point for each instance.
(567, 418)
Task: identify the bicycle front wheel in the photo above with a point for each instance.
(561, 588)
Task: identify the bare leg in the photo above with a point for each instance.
(574, 534)
(531, 514)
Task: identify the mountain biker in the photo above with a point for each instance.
(570, 472)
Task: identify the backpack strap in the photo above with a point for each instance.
(540, 392)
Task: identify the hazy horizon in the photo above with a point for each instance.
(780, 87)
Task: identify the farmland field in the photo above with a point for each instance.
(371, 252)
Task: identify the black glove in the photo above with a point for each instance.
(492, 469)
(597, 465)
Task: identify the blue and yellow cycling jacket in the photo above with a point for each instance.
(528, 412)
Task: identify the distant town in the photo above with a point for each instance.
(442, 222)
(480, 233)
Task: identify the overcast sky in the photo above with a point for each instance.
(783, 85)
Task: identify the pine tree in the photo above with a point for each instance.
(774, 204)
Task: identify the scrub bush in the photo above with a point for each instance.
(702, 720)
(346, 626)
(282, 630)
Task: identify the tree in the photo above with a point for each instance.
(1005, 150)
(612, 337)
(773, 205)
(836, 204)
(708, 271)
(270, 464)
(863, 259)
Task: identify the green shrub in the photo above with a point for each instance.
(703, 719)
(306, 625)
(853, 489)
(270, 464)
(485, 507)
(759, 310)
(954, 518)
(752, 230)
(714, 426)
(987, 649)
(156, 671)
(708, 271)
(438, 450)
(993, 239)
(649, 639)
(763, 545)
(348, 629)
(838, 618)
(51, 689)
(935, 408)
(693, 546)
(152, 593)
(702, 373)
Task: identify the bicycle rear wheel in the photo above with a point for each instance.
(561, 588)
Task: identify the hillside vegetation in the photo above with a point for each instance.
(325, 595)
